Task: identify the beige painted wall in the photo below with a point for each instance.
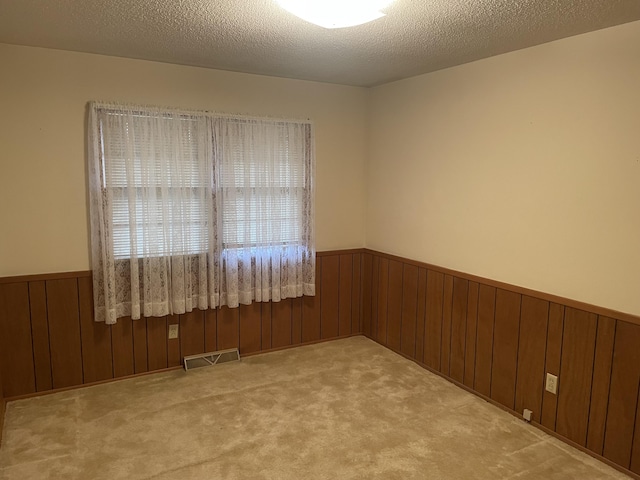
(523, 168)
(43, 93)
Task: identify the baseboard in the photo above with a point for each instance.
(154, 372)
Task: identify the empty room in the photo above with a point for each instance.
(304, 239)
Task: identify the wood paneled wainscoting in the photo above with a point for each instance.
(499, 341)
(493, 339)
(49, 340)
(2, 407)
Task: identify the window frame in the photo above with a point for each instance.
(217, 189)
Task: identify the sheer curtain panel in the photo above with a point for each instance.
(192, 209)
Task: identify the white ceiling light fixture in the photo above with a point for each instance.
(336, 13)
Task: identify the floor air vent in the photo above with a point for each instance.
(213, 358)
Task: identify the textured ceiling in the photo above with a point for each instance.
(257, 36)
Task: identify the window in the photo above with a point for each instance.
(263, 190)
(159, 201)
(194, 209)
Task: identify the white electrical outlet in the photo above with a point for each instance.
(551, 385)
(173, 331)
(527, 414)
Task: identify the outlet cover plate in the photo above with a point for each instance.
(173, 331)
(551, 385)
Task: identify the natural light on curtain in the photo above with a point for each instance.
(197, 210)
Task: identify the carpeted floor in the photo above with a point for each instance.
(348, 409)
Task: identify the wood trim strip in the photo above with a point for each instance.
(607, 312)
(32, 277)
(627, 317)
(45, 276)
(346, 251)
(163, 370)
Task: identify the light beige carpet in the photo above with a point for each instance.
(348, 409)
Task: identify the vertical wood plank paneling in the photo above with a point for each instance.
(356, 294)
(97, 360)
(367, 301)
(310, 310)
(122, 347)
(64, 332)
(498, 342)
(101, 352)
(576, 372)
(174, 357)
(601, 383)
(296, 321)
(421, 310)
(265, 310)
(228, 328)
(157, 343)
(329, 327)
(345, 279)
(458, 328)
(383, 299)
(40, 334)
(484, 339)
(505, 347)
(192, 333)
(447, 306)
(250, 328)
(635, 452)
(211, 330)
(409, 310)
(623, 399)
(16, 352)
(394, 305)
(2, 407)
(140, 354)
(433, 320)
(532, 348)
(555, 328)
(281, 323)
(470, 342)
(375, 296)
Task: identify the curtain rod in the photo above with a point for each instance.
(146, 109)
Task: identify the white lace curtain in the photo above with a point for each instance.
(197, 210)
